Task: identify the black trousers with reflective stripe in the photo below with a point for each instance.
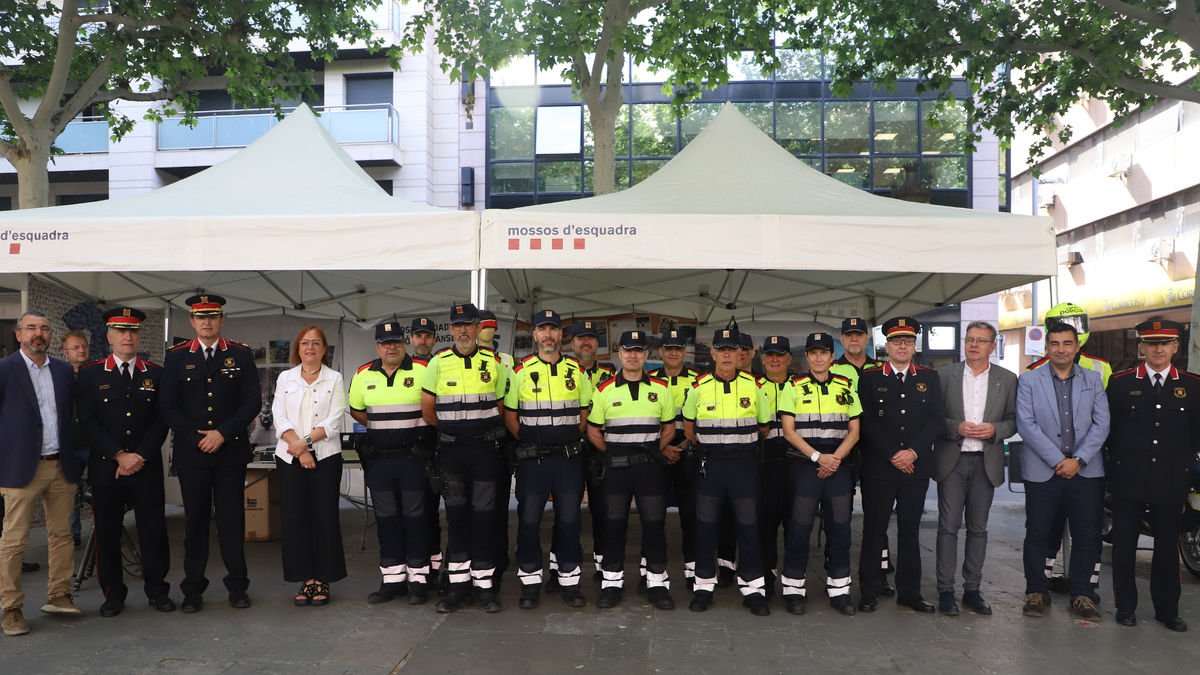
(773, 491)
(470, 472)
(729, 484)
(400, 494)
(536, 481)
(647, 483)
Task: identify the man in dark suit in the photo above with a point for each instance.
(1062, 416)
(902, 417)
(1152, 443)
(37, 463)
(981, 411)
(117, 405)
(210, 394)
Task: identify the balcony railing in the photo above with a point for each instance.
(369, 123)
(84, 135)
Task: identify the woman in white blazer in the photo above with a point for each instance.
(310, 400)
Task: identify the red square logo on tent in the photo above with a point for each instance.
(556, 244)
(579, 244)
(535, 244)
(514, 244)
(14, 249)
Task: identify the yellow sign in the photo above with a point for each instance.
(1102, 304)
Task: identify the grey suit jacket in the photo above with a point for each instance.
(1000, 410)
(1038, 423)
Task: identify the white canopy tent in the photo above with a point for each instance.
(736, 224)
(291, 222)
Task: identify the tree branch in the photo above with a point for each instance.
(57, 84)
(1124, 81)
(1146, 16)
(127, 21)
(8, 151)
(83, 95)
(127, 94)
(11, 106)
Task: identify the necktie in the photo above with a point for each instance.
(900, 376)
(208, 352)
(125, 371)
(1157, 382)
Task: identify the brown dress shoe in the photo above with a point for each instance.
(62, 604)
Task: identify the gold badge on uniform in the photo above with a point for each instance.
(229, 362)
(1180, 392)
(921, 387)
(408, 382)
(485, 376)
(653, 396)
(841, 399)
(147, 383)
(570, 384)
(744, 402)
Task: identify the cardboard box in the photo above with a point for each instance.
(261, 502)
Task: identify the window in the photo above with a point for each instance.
(798, 127)
(367, 89)
(511, 133)
(847, 127)
(895, 127)
(559, 130)
(653, 130)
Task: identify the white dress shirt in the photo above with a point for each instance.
(302, 407)
(974, 399)
(43, 388)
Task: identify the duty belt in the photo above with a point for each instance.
(625, 461)
(406, 450)
(531, 451)
(491, 435)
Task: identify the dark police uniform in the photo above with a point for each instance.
(773, 477)
(727, 544)
(117, 406)
(681, 476)
(1152, 444)
(467, 391)
(822, 411)
(632, 414)
(596, 374)
(218, 392)
(900, 411)
(727, 416)
(399, 445)
(549, 399)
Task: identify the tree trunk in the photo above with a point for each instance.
(604, 131)
(33, 174)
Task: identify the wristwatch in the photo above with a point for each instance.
(816, 455)
(308, 439)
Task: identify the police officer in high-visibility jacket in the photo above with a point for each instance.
(631, 424)
(722, 416)
(727, 545)
(544, 410)
(385, 395)
(681, 476)
(463, 389)
(773, 491)
(820, 413)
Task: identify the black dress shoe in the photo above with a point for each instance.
(27, 567)
(918, 605)
(1126, 618)
(191, 604)
(795, 604)
(387, 592)
(757, 604)
(573, 596)
(488, 601)
(163, 603)
(452, 602)
(701, 601)
(973, 600)
(1176, 624)
(239, 600)
(843, 604)
(946, 603)
(530, 594)
(868, 605)
(111, 608)
(609, 598)
(660, 598)
(887, 591)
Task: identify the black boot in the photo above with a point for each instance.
(388, 592)
(530, 594)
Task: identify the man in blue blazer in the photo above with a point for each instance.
(37, 463)
(1062, 416)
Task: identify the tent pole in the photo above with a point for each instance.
(480, 288)
(475, 287)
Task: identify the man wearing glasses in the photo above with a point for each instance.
(981, 411)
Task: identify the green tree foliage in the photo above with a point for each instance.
(589, 43)
(60, 58)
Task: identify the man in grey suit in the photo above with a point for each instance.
(1062, 416)
(981, 411)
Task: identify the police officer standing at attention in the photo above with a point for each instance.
(385, 395)
(117, 404)
(773, 491)
(681, 475)
(585, 340)
(727, 545)
(820, 413)
(902, 417)
(722, 417)
(544, 410)
(463, 391)
(1154, 433)
(631, 423)
(210, 394)
(422, 337)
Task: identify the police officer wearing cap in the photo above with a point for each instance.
(463, 392)
(902, 418)
(820, 412)
(422, 338)
(385, 396)
(1152, 441)
(116, 400)
(727, 545)
(210, 394)
(632, 421)
(585, 340)
(544, 410)
(722, 417)
(773, 488)
(681, 471)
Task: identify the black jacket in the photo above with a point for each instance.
(897, 417)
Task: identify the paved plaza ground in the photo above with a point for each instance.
(350, 636)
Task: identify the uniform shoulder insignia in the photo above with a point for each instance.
(701, 380)
(97, 362)
(605, 384)
(760, 381)
(840, 378)
(1191, 375)
(1038, 363)
(527, 359)
(1097, 358)
(238, 344)
(608, 367)
(443, 350)
(801, 379)
(181, 345)
(1129, 371)
(925, 368)
(871, 365)
(423, 362)
(571, 360)
(364, 366)
(658, 381)
(519, 367)
(149, 364)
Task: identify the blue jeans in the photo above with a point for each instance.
(1081, 499)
